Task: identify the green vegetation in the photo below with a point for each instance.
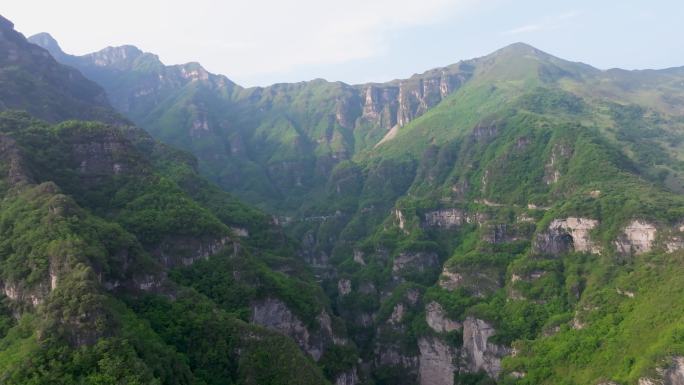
(98, 222)
(91, 211)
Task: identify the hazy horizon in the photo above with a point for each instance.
(359, 41)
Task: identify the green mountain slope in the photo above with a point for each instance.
(108, 239)
(522, 217)
(515, 218)
(30, 79)
(271, 146)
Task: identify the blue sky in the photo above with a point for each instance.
(260, 42)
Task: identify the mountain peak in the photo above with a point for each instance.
(120, 57)
(45, 40)
(520, 46)
(521, 49)
(5, 23)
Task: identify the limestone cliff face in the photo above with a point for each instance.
(446, 218)
(568, 234)
(451, 218)
(400, 219)
(436, 318)
(637, 238)
(399, 102)
(102, 153)
(32, 296)
(380, 105)
(674, 375)
(437, 362)
(184, 251)
(671, 374)
(389, 352)
(344, 286)
(392, 356)
(477, 352)
(504, 232)
(559, 154)
(12, 159)
(416, 261)
(274, 314)
(350, 377)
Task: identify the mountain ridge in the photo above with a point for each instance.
(47, 41)
(105, 232)
(524, 226)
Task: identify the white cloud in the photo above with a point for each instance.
(548, 23)
(238, 38)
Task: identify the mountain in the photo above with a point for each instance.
(271, 146)
(515, 218)
(119, 263)
(31, 79)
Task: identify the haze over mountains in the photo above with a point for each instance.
(288, 136)
(515, 219)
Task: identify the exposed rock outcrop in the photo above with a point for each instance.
(397, 103)
(350, 377)
(437, 362)
(274, 314)
(359, 257)
(344, 286)
(674, 243)
(674, 374)
(10, 156)
(33, 296)
(503, 232)
(240, 232)
(185, 250)
(477, 352)
(637, 238)
(101, 153)
(565, 235)
(400, 219)
(451, 218)
(671, 374)
(559, 152)
(391, 356)
(417, 261)
(436, 318)
(398, 313)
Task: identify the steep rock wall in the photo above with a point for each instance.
(437, 362)
(477, 352)
(568, 234)
(274, 314)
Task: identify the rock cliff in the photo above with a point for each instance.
(477, 352)
(437, 319)
(437, 362)
(637, 238)
(565, 235)
(276, 315)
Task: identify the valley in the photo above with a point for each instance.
(509, 219)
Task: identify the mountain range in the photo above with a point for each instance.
(514, 219)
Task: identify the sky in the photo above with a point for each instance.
(261, 42)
